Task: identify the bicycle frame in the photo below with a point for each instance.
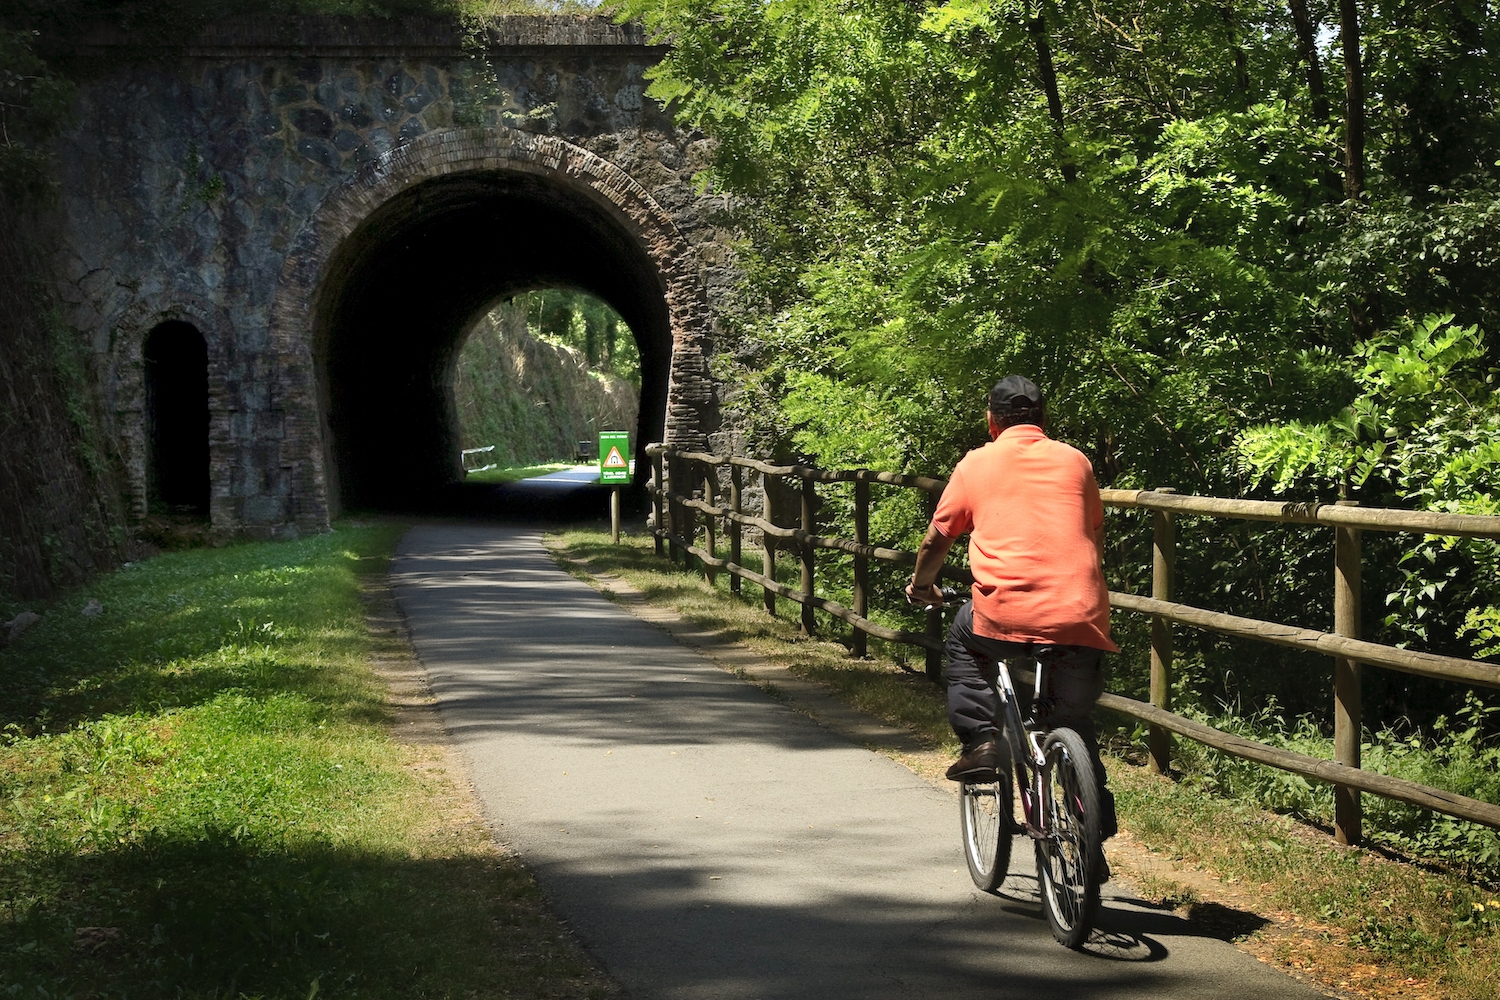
(1025, 749)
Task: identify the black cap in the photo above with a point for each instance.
(1014, 394)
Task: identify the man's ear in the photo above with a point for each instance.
(994, 427)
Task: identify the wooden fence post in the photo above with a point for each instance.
(734, 527)
(809, 499)
(934, 663)
(861, 563)
(656, 504)
(674, 523)
(687, 517)
(710, 539)
(768, 542)
(1163, 567)
(1348, 819)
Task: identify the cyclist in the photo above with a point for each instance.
(1031, 508)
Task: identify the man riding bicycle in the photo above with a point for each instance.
(1031, 508)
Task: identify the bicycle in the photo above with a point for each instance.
(1060, 803)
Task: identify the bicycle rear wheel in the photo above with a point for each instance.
(1069, 858)
(984, 819)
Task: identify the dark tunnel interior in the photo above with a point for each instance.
(407, 285)
(176, 368)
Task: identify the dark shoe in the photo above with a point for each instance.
(1109, 822)
(978, 765)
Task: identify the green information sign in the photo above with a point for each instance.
(614, 457)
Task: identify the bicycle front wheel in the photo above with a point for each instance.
(1068, 856)
(984, 815)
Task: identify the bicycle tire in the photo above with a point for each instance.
(984, 821)
(1069, 857)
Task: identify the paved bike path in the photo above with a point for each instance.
(706, 841)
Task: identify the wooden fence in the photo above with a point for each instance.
(686, 484)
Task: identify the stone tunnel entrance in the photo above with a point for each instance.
(409, 283)
(397, 265)
(301, 191)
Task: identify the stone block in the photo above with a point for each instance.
(313, 122)
(292, 94)
(410, 129)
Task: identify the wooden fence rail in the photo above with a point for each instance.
(684, 485)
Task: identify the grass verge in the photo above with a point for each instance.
(512, 473)
(200, 796)
(1353, 921)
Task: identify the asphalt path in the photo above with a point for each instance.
(706, 841)
(583, 475)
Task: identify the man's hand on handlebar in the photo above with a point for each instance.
(930, 596)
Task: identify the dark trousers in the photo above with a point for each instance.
(1072, 682)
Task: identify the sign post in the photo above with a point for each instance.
(614, 472)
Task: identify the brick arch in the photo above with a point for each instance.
(691, 403)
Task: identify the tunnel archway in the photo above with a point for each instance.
(410, 282)
(398, 264)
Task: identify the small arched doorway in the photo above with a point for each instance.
(176, 377)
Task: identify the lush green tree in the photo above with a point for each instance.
(588, 325)
(1185, 220)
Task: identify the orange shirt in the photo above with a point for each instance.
(1036, 539)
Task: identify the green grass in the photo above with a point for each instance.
(512, 473)
(205, 770)
(1453, 755)
(1404, 920)
(1418, 922)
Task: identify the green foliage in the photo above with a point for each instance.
(1422, 418)
(1171, 257)
(587, 325)
(1424, 429)
(1455, 754)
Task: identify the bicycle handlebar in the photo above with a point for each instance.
(952, 597)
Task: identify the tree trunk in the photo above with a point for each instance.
(1241, 60)
(1354, 143)
(1038, 28)
(1354, 102)
(1317, 90)
(1307, 47)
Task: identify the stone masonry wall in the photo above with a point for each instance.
(191, 175)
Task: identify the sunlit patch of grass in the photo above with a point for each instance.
(1426, 924)
(199, 796)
